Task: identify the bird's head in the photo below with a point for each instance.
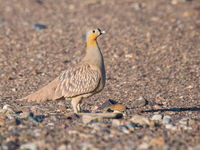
(93, 34)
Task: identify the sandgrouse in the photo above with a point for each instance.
(77, 82)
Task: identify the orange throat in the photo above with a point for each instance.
(91, 43)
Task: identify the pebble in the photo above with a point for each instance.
(62, 147)
(156, 117)
(166, 120)
(29, 146)
(125, 129)
(39, 26)
(8, 108)
(136, 6)
(186, 127)
(140, 102)
(87, 119)
(2, 111)
(38, 118)
(171, 127)
(131, 126)
(107, 103)
(24, 115)
(11, 145)
(2, 121)
(184, 121)
(116, 122)
(140, 119)
(70, 115)
(158, 141)
(144, 146)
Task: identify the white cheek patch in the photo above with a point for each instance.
(87, 35)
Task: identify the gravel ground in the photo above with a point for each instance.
(152, 58)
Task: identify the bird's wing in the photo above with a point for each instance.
(77, 81)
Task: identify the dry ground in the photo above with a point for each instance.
(151, 50)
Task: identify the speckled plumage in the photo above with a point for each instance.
(77, 82)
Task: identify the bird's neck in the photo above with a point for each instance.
(92, 43)
(93, 54)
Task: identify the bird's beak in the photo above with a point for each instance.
(103, 32)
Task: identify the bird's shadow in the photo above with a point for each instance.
(173, 109)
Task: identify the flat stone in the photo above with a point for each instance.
(62, 147)
(171, 127)
(39, 26)
(2, 120)
(184, 121)
(116, 122)
(158, 141)
(29, 146)
(139, 119)
(144, 146)
(157, 117)
(166, 120)
(140, 102)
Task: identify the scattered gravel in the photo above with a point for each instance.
(151, 53)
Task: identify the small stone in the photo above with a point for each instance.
(62, 147)
(157, 107)
(136, 6)
(108, 103)
(140, 119)
(116, 122)
(14, 89)
(39, 26)
(158, 141)
(125, 129)
(2, 111)
(70, 115)
(8, 108)
(2, 120)
(171, 127)
(38, 118)
(157, 117)
(24, 115)
(128, 55)
(166, 120)
(131, 126)
(11, 145)
(140, 102)
(144, 146)
(193, 13)
(184, 121)
(186, 127)
(29, 146)
(87, 119)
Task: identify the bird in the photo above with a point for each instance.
(77, 82)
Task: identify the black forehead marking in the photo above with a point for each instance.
(99, 29)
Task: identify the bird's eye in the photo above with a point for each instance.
(93, 31)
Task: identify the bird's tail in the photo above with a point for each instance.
(44, 94)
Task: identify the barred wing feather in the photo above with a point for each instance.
(77, 81)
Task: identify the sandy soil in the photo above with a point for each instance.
(151, 50)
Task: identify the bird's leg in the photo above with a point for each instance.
(80, 104)
(75, 104)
